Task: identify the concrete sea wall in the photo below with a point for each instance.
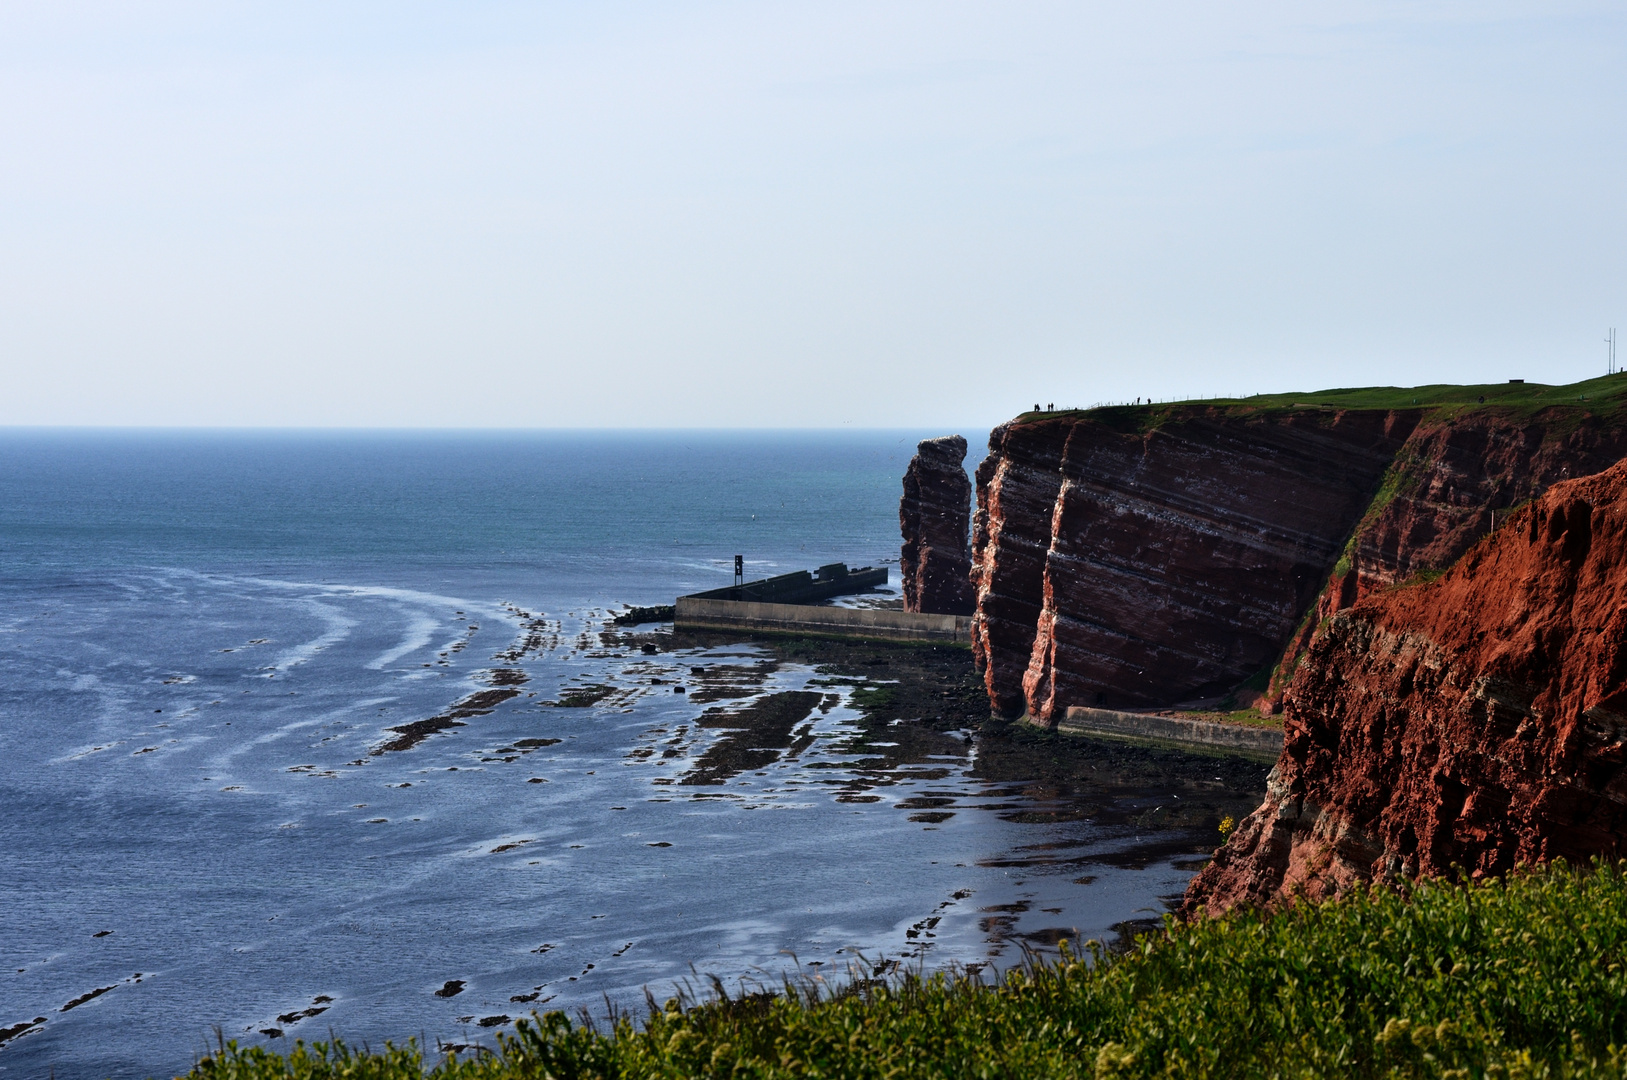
(871, 624)
(1262, 743)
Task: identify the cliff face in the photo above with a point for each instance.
(1477, 720)
(1126, 562)
(1450, 481)
(1156, 555)
(1017, 486)
(933, 516)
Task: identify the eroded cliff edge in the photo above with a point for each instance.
(1460, 473)
(1155, 555)
(1477, 720)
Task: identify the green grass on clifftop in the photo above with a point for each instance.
(1520, 978)
(1604, 396)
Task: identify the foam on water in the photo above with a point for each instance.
(420, 631)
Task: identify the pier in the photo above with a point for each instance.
(787, 604)
(801, 587)
(810, 620)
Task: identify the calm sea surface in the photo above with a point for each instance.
(205, 637)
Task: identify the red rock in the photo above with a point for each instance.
(1477, 721)
(933, 516)
(1128, 558)
(1453, 477)
(1183, 557)
(1011, 532)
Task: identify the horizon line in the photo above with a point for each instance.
(448, 429)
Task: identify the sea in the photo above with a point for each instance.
(308, 735)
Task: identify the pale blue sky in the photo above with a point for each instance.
(722, 214)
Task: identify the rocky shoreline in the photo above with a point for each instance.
(1420, 582)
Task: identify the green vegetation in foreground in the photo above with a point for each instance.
(1604, 396)
(1516, 978)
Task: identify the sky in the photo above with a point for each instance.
(872, 214)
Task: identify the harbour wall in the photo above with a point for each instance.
(870, 624)
(1254, 742)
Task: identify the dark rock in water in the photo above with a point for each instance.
(90, 995)
(755, 735)
(1477, 721)
(934, 516)
(478, 704)
(453, 988)
(636, 616)
(21, 1028)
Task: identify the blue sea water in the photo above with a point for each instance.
(205, 638)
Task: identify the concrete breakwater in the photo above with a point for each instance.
(700, 613)
(1262, 743)
(801, 587)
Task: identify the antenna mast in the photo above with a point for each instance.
(1610, 362)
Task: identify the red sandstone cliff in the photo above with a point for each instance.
(1479, 720)
(1125, 557)
(1016, 493)
(933, 516)
(1156, 555)
(1452, 478)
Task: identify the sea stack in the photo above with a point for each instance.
(934, 517)
(1476, 721)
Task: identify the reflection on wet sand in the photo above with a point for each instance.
(874, 723)
(753, 736)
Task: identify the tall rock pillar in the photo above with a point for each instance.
(934, 516)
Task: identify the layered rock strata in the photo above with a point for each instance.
(1125, 563)
(1011, 532)
(1452, 480)
(1153, 556)
(934, 517)
(1477, 721)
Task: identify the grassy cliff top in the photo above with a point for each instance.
(1604, 396)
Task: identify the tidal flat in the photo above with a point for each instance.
(548, 812)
